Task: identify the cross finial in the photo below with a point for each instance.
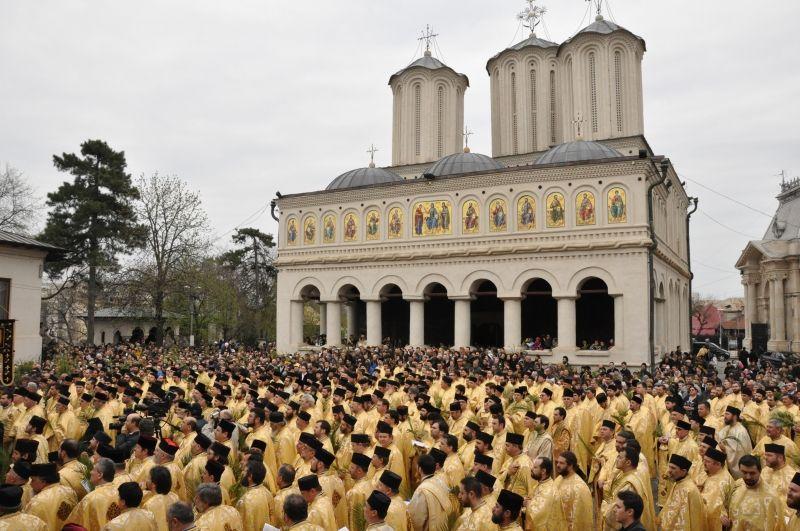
(466, 134)
(427, 36)
(578, 123)
(598, 7)
(372, 149)
(531, 16)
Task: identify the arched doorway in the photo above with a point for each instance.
(137, 336)
(394, 316)
(151, 335)
(594, 314)
(439, 316)
(313, 327)
(355, 314)
(117, 337)
(486, 315)
(539, 313)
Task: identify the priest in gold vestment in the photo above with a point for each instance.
(574, 494)
(52, 502)
(11, 518)
(132, 517)
(683, 508)
(627, 480)
(753, 504)
(100, 505)
(717, 487)
(212, 514)
(430, 504)
(160, 496)
(544, 512)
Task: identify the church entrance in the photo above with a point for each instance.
(355, 318)
(394, 316)
(313, 327)
(594, 315)
(439, 316)
(486, 315)
(137, 336)
(539, 313)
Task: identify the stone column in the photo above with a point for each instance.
(296, 322)
(323, 310)
(416, 324)
(333, 323)
(779, 319)
(374, 330)
(794, 291)
(566, 323)
(462, 323)
(350, 310)
(619, 322)
(512, 323)
(750, 307)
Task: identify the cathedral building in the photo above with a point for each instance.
(570, 239)
(770, 270)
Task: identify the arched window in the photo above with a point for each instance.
(593, 89)
(440, 121)
(417, 115)
(552, 106)
(533, 97)
(514, 138)
(618, 87)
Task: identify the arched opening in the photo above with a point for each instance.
(103, 337)
(137, 336)
(313, 325)
(439, 316)
(539, 314)
(117, 337)
(486, 315)
(394, 316)
(594, 315)
(151, 335)
(169, 336)
(355, 315)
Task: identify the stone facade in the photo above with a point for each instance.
(770, 270)
(562, 248)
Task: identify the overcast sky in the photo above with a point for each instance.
(243, 98)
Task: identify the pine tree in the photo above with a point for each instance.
(93, 216)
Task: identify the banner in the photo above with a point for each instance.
(7, 351)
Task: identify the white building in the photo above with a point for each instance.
(21, 266)
(574, 229)
(117, 325)
(770, 270)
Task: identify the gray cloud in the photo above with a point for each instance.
(244, 98)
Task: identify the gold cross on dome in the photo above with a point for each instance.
(427, 36)
(531, 16)
(578, 123)
(466, 134)
(372, 149)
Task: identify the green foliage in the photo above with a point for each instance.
(784, 417)
(22, 369)
(92, 218)
(359, 521)
(63, 364)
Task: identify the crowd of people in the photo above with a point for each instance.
(396, 439)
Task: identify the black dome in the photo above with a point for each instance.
(577, 151)
(363, 177)
(463, 163)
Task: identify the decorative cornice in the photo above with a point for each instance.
(488, 249)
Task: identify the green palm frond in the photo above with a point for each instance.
(784, 417)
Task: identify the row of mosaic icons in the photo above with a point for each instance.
(434, 218)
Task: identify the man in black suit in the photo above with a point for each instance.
(129, 435)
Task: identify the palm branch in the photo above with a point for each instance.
(357, 515)
(587, 447)
(620, 418)
(784, 417)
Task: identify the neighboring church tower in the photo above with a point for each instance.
(524, 92)
(601, 76)
(428, 114)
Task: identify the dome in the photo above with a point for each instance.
(463, 163)
(428, 62)
(603, 27)
(577, 151)
(363, 177)
(531, 42)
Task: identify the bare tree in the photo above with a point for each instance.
(176, 238)
(19, 205)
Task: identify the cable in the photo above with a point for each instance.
(698, 262)
(728, 197)
(546, 30)
(588, 8)
(414, 57)
(720, 279)
(252, 217)
(610, 11)
(730, 228)
(514, 38)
